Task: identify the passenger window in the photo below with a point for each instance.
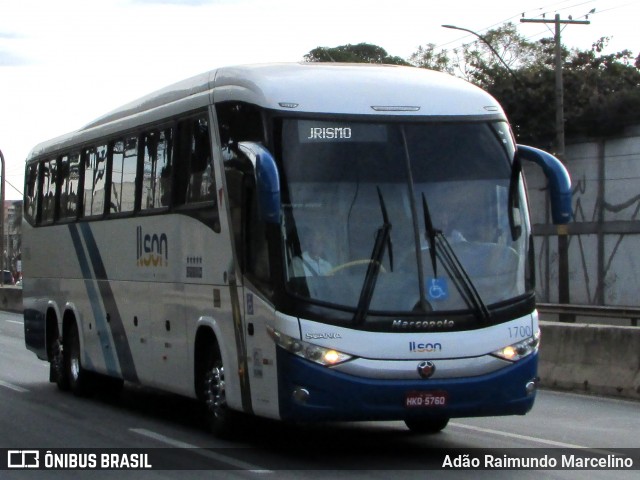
(49, 190)
(123, 175)
(157, 163)
(31, 194)
(95, 165)
(69, 184)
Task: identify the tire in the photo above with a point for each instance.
(427, 426)
(220, 419)
(57, 372)
(77, 376)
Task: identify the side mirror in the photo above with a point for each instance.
(559, 181)
(267, 181)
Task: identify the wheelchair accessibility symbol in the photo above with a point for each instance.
(437, 289)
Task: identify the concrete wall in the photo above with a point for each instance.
(604, 236)
(598, 359)
(11, 299)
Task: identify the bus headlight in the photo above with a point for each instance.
(519, 350)
(321, 355)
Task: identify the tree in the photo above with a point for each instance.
(427, 57)
(360, 53)
(601, 91)
(509, 51)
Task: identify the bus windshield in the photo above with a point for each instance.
(363, 203)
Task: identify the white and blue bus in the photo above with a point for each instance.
(303, 242)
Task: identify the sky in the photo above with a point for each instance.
(64, 63)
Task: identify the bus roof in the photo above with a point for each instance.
(358, 89)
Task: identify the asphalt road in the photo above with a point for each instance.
(35, 415)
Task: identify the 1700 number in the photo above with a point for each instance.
(522, 331)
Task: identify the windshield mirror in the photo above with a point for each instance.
(267, 180)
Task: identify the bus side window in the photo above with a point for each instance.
(195, 178)
(31, 194)
(95, 165)
(157, 166)
(124, 166)
(69, 183)
(49, 190)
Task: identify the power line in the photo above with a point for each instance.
(482, 30)
(548, 8)
(616, 7)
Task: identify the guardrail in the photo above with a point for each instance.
(569, 312)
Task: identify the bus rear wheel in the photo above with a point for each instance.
(427, 426)
(220, 418)
(77, 376)
(58, 373)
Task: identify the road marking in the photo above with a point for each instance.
(527, 438)
(13, 387)
(15, 321)
(518, 436)
(200, 451)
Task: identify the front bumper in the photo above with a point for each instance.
(309, 392)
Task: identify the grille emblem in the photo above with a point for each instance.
(426, 369)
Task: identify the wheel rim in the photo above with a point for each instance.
(74, 356)
(215, 394)
(75, 368)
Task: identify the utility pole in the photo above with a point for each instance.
(558, 69)
(563, 240)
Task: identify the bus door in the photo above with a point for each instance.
(248, 227)
(261, 355)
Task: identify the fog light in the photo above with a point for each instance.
(301, 395)
(531, 387)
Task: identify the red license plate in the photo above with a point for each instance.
(426, 399)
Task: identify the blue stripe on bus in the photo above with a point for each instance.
(94, 300)
(118, 332)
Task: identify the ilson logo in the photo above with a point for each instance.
(424, 347)
(152, 249)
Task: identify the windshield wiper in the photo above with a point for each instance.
(431, 235)
(383, 239)
(440, 247)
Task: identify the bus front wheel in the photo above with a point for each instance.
(219, 417)
(427, 426)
